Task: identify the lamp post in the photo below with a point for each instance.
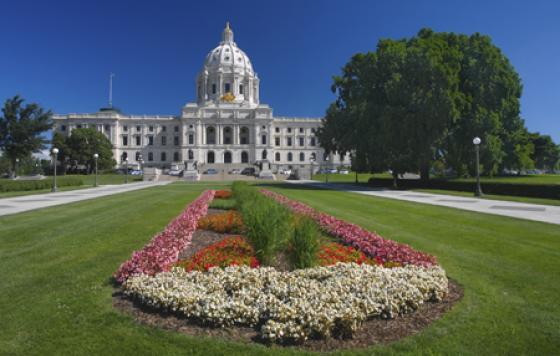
(95, 157)
(328, 170)
(126, 170)
(311, 160)
(476, 141)
(16, 167)
(55, 153)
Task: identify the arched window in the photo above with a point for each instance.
(163, 157)
(190, 154)
(210, 157)
(227, 157)
(176, 156)
(244, 157)
(244, 136)
(290, 156)
(228, 137)
(277, 156)
(210, 135)
(150, 156)
(264, 154)
(263, 140)
(302, 157)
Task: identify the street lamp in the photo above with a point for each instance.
(476, 141)
(16, 167)
(126, 170)
(311, 160)
(328, 170)
(55, 153)
(95, 157)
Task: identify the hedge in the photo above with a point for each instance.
(8, 185)
(547, 191)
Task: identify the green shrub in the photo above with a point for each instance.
(304, 242)
(7, 185)
(224, 204)
(267, 223)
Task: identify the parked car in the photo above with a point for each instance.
(175, 172)
(211, 171)
(344, 171)
(248, 171)
(235, 171)
(333, 171)
(136, 172)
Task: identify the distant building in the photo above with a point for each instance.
(227, 125)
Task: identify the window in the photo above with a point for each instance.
(150, 156)
(151, 128)
(138, 128)
(190, 154)
(263, 140)
(244, 136)
(79, 126)
(302, 157)
(210, 136)
(150, 140)
(290, 157)
(312, 143)
(301, 141)
(190, 126)
(289, 130)
(277, 141)
(163, 157)
(277, 130)
(227, 86)
(213, 88)
(137, 140)
(191, 139)
(228, 136)
(163, 140)
(138, 156)
(289, 141)
(176, 128)
(63, 128)
(264, 154)
(277, 156)
(176, 140)
(125, 128)
(240, 88)
(124, 156)
(107, 128)
(163, 128)
(176, 156)
(125, 140)
(244, 157)
(301, 130)
(313, 156)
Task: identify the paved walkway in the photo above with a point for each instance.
(20, 204)
(535, 212)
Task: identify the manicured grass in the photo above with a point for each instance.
(103, 179)
(529, 179)
(350, 177)
(55, 265)
(542, 201)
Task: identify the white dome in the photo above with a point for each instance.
(228, 57)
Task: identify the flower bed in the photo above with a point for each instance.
(163, 251)
(229, 222)
(222, 194)
(291, 306)
(231, 251)
(369, 242)
(331, 253)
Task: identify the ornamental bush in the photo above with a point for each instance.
(304, 242)
(8, 185)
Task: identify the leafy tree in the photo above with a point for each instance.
(546, 153)
(82, 144)
(21, 128)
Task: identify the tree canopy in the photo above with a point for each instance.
(81, 145)
(416, 101)
(21, 129)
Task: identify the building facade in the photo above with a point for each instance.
(227, 126)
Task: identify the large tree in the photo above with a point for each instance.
(21, 129)
(546, 153)
(82, 144)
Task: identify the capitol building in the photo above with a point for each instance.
(227, 127)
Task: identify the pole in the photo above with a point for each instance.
(95, 184)
(478, 191)
(111, 90)
(126, 171)
(356, 177)
(54, 188)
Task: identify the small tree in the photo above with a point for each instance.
(21, 128)
(82, 144)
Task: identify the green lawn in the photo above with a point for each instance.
(543, 201)
(350, 177)
(56, 263)
(103, 179)
(530, 179)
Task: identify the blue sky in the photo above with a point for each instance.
(60, 53)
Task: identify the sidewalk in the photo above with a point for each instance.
(20, 204)
(535, 212)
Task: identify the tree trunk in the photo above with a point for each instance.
(395, 178)
(425, 171)
(13, 173)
